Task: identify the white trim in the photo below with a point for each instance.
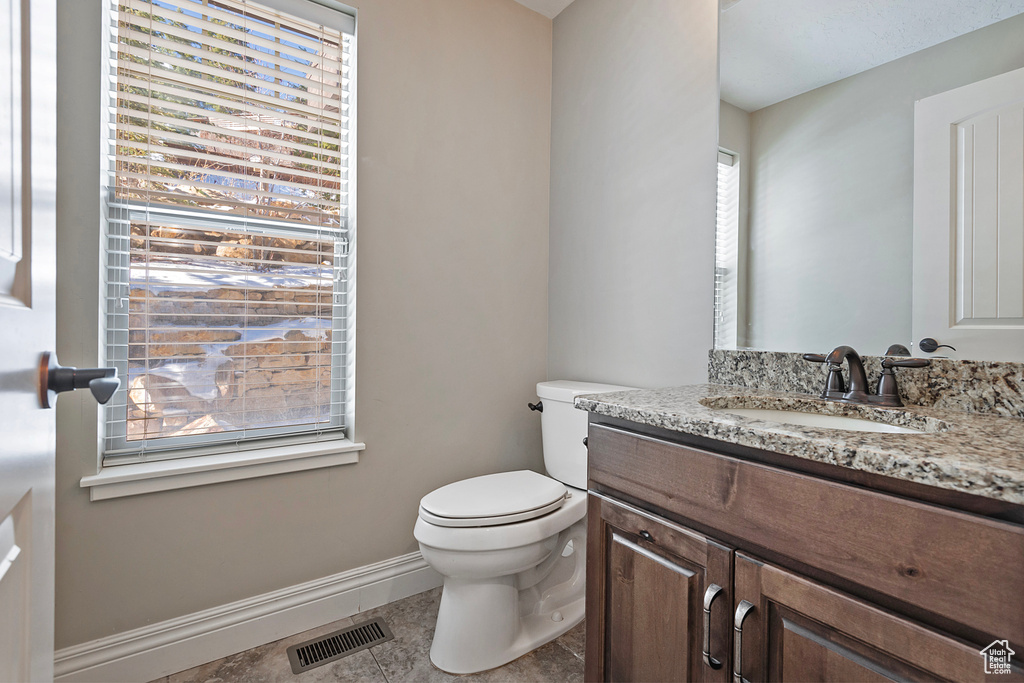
(151, 652)
(162, 475)
(319, 11)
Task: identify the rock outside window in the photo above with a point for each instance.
(228, 241)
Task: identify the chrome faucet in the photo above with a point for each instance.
(887, 394)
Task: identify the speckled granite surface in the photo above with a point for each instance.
(968, 452)
(969, 386)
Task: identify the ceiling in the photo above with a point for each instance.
(772, 50)
(549, 8)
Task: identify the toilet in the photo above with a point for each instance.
(512, 546)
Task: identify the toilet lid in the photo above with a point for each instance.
(493, 499)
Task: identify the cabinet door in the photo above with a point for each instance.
(789, 628)
(647, 580)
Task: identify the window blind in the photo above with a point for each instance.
(727, 252)
(228, 232)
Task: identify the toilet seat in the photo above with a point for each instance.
(501, 537)
(493, 499)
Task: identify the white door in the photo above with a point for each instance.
(27, 319)
(969, 219)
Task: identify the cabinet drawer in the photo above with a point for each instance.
(799, 630)
(966, 569)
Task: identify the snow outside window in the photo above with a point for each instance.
(229, 241)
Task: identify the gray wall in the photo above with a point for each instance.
(832, 196)
(453, 182)
(633, 155)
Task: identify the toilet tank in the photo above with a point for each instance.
(563, 429)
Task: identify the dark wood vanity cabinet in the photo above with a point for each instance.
(820, 580)
(637, 562)
(797, 629)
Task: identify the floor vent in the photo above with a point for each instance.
(326, 649)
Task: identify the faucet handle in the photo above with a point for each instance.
(835, 384)
(897, 350)
(888, 393)
(893, 362)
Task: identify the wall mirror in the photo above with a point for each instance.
(816, 217)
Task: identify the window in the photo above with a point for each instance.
(229, 238)
(727, 252)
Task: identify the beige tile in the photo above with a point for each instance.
(269, 664)
(548, 663)
(406, 659)
(575, 639)
(247, 668)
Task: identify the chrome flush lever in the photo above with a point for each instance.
(55, 378)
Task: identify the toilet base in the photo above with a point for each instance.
(480, 641)
(485, 623)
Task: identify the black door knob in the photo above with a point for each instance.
(55, 378)
(929, 345)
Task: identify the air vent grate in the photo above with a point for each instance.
(326, 649)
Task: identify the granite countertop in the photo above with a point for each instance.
(969, 452)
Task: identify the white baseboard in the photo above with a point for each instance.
(151, 652)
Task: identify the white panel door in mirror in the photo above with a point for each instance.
(990, 218)
(969, 219)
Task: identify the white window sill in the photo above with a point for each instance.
(164, 475)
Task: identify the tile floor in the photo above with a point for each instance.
(402, 660)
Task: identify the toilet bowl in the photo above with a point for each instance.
(512, 547)
(507, 589)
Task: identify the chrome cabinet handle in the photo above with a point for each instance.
(742, 610)
(713, 591)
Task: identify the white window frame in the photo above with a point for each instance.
(165, 448)
(275, 451)
(727, 251)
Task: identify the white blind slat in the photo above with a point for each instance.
(191, 140)
(221, 80)
(254, 122)
(727, 253)
(208, 15)
(227, 247)
(196, 35)
(296, 216)
(173, 186)
(191, 81)
(265, 174)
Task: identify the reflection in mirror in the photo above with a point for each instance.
(816, 175)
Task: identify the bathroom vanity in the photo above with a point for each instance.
(728, 547)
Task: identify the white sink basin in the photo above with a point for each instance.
(794, 417)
